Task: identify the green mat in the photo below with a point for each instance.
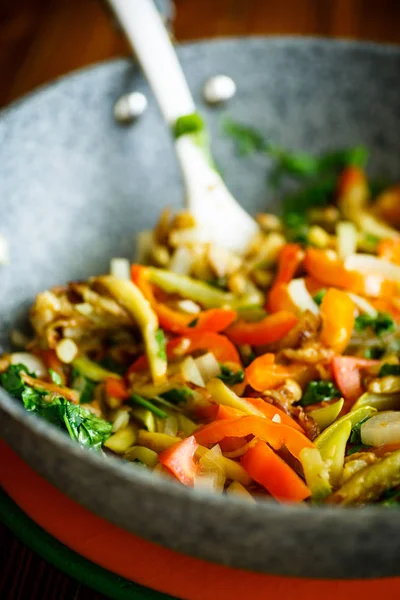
(69, 562)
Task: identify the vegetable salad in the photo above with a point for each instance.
(274, 374)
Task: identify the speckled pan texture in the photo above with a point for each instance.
(75, 187)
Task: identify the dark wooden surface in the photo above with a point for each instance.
(42, 39)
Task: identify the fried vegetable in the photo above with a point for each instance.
(326, 415)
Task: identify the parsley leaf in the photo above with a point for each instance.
(374, 352)
(391, 497)
(356, 448)
(247, 139)
(318, 391)
(388, 369)
(11, 380)
(382, 323)
(136, 399)
(319, 296)
(355, 436)
(231, 377)
(178, 395)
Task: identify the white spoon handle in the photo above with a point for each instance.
(149, 39)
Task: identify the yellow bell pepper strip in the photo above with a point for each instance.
(316, 474)
(332, 272)
(270, 329)
(179, 460)
(270, 471)
(368, 484)
(262, 374)
(290, 258)
(275, 434)
(92, 370)
(131, 298)
(222, 394)
(346, 372)
(337, 314)
(193, 289)
(326, 415)
(215, 319)
(333, 451)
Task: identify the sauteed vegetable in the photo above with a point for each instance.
(276, 373)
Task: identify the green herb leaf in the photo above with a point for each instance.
(84, 386)
(382, 323)
(388, 369)
(160, 339)
(193, 323)
(188, 124)
(356, 448)
(178, 395)
(221, 283)
(11, 380)
(247, 139)
(374, 352)
(135, 399)
(55, 377)
(318, 391)
(355, 436)
(319, 296)
(84, 427)
(231, 377)
(110, 364)
(391, 497)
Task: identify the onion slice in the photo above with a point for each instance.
(301, 297)
(381, 429)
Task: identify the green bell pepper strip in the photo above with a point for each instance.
(353, 417)
(316, 473)
(378, 401)
(92, 370)
(333, 451)
(368, 484)
(327, 415)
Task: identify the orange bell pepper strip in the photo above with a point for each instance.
(387, 205)
(390, 249)
(270, 329)
(290, 258)
(228, 412)
(116, 388)
(270, 471)
(337, 313)
(214, 319)
(223, 350)
(52, 361)
(275, 434)
(346, 373)
(331, 272)
(352, 187)
(262, 374)
(271, 411)
(179, 460)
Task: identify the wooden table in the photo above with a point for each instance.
(42, 39)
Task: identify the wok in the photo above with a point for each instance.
(74, 189)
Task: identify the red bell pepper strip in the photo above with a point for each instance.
(346, 372)
(275, 434)
(337, 313)
(179, 459)
(262, 374)
(330, 271)
(270, 411)
(116, 388)
(290, 258)
(223, 350)
(270, 471)
(214, 319)
(271, 329)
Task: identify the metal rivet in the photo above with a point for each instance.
(218, 89)
(130, 107)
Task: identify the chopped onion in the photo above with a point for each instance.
(363, 305)
(367, 263)
(66, 350)
(301, 297)
(189, 235)
(381, 429)
(121, 419)
(120, 268)
(143, 245)
(276, 418)
(209, 482)
(212, 471)
(181, 261)
(84, 308)
(4, 251)
(222, 261)
(171, 426)
(189, 307)
(191, 373)
(208, 366)
(346, 238)
(30, 361)
(238, 490)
